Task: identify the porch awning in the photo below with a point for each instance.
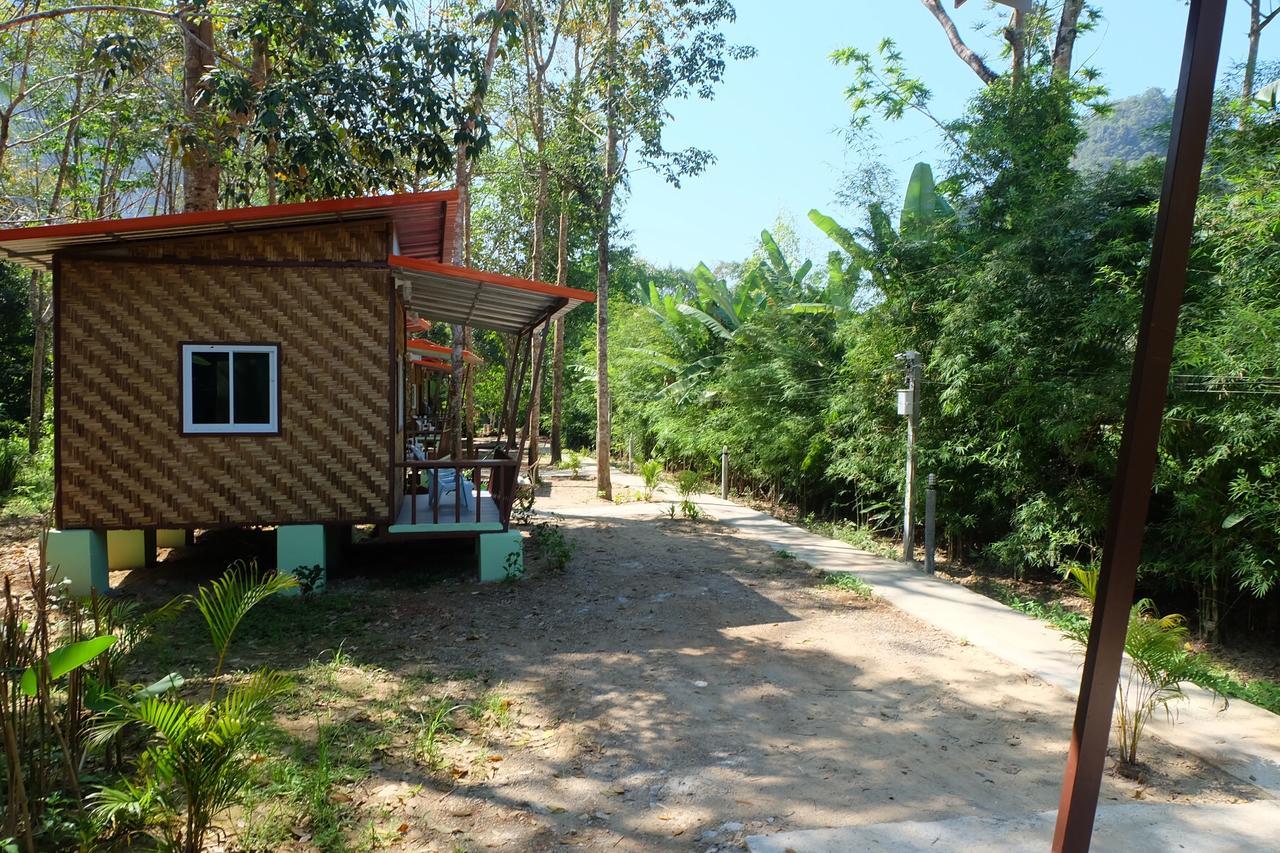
(473, 298)
(427, 350)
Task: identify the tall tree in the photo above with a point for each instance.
(1259, 20)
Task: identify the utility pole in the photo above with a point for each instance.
(909, 407)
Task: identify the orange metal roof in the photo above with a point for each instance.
(423, 223)
(488, 300)
(417, 324)
(432, 350)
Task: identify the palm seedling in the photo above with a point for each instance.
(196, 762)
(1158, 663)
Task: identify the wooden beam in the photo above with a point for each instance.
(1135, 467)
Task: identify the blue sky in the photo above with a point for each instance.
(775, 123)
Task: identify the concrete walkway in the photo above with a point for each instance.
(1126, 827)
(1237, 737)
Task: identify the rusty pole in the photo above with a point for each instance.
(1131, 491)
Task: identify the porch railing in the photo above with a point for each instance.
(424, 476)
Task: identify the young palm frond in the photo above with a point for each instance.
(225, 601)
(1158, 662)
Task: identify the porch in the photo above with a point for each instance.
(449, 497)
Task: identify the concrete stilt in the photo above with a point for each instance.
(127, 549)
(501, 555)
(171, 538)
(301, 548)
(79, 556)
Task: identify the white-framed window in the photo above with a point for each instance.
(230, 388)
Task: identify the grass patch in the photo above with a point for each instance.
(848, 582)
(1208, 672)
(860, 537)
(30, 488)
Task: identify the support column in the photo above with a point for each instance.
(307, 551)
(79, 556)
(128, 549)
(172, 538)
(501, 555)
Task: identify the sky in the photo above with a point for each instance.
(775, 123)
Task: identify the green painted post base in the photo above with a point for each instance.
(173, 538)
(127, 549)
(501, 555)
(305, 546)
(79, 556)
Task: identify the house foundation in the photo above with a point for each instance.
(500, 555)
(308, 551)
(79, 556)
(130, 549)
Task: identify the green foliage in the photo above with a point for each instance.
(1126, 131)
(15, 345)
(1159, 662)
(63, 660)
(688, 482)
(226, 601)
(522, 505)
(31, 492)
(550, 545)
(651, 474)
(847, 582)
(13, 455)
(573, 462)
(196, 762)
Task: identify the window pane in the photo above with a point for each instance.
(253, 387)
(210, 388)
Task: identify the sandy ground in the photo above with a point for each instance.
(677, 688)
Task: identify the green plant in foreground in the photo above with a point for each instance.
(1159, 663)
(573, 462)
(196, 760)
(550, 545)
(651, 473)
(848, 582)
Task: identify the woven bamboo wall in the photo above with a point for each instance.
(123, 460)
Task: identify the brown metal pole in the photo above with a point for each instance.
(1131, 491)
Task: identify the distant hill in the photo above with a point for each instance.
(1136, 127)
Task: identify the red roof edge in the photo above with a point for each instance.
(230, 216)
(525, 284)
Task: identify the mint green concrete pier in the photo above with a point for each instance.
(500, 555)
(302, 546)
(79, 556)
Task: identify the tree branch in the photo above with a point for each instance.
(75, 10)
(966, 54)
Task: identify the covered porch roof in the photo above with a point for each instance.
(428, 351)
(471, 297)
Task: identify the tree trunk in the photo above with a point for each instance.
(1016, 35)
(461, 255)
(539, 240)
(39, 304)
(1251, 59)
(604, 420)
(557, 358)
(201, 170)
(1067, 31)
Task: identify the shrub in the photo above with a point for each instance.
(550, 545)
(13, 454)
(848, 582)
(573, 462)
(522, 505)
(688, 482)
(1159, 662)
(196, 762)
(651, 473)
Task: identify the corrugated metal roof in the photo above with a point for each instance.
(474, 298)
(423, 223)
